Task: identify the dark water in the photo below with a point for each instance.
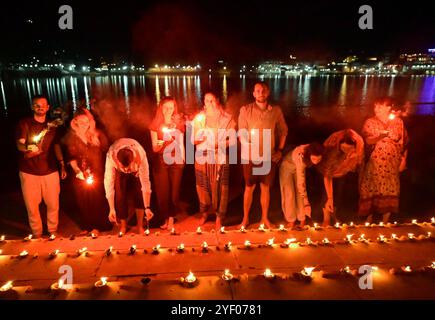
(314, 107)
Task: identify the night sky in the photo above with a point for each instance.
(237, 31)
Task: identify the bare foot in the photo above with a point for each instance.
(164, 226)
(302, 224)
(171, 223)
(203, 219)
(290, 225)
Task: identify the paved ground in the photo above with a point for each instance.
(33, 275)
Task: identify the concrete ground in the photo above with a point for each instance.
(33, 275)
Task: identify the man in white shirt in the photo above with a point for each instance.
(127, 175)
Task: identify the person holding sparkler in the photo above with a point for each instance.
(167, 131)
(127, 175)
(85, 149)
(40, 159)
(385, 139)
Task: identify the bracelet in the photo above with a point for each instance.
(147, 207)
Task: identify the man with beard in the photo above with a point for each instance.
(260, 120)
(40, 159)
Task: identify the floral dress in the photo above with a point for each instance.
(379, 180)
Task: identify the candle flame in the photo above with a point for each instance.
(281, 227)
(392, 116)
(204, 245)
(147, 232)
(351, 224)
(326, 241)
(23, 253)
(222, 230)
(316, 225)
(349, 237)
(7, 286)
(337, 225)
(367, 224)
(270, 242)
(227, 275)
(309, 241)
(381, 224)
(394, 236)
(414, 221)
(90, 179)
(261, 227)
(347, 269)
(181, 246)
(407, 269)
(190, 277)
(247, 243)
(198, 230)
(410, 235)
(268, 273)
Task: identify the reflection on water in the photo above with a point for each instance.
(296, 94)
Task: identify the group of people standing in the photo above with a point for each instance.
(109, 180)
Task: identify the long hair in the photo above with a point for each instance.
(159, 118)
(91, 134)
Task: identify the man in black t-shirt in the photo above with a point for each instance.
(40, 158)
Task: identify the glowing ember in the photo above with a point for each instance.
(270, 242)
(24, 253)
(308, 271)
(190, 278)
(268, 274)
(7, 286)
(407, 269)
(247, 244)
(227, 275)
(101, 283)
(198, 230)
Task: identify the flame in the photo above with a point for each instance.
(289, 241)
(198, 230)
(270, 242)
(394, 236)
(367, 224)
(190, 277)
(52, 237)
(242, 229)
(362, 237)
(392, 116)
(381, 224)
(316, 225)
(165, 130)
(82, 250)
(229, 244)
(432, 219)
(261, 227)
(181, 246)
(2, 238)
(281, 227)
(222, 229)
(308, 271)
(268, 273)
(204, 245)
(326, 241)
(37, 138)
(227, 275)
(23, 253)
(410, 235)
(407, 269)
(381, 238)
(90, 179)
(433, 265)
(247, 243)
(337, 225)
(147, 232)
(102, 282)
(29, 237)
(347, 269)
(120, 234)
(7, 286)
(309, 241)
(349, 237)
(351, 224)
(414, 221)
(60, 283)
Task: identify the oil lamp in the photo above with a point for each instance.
(28, 238)
(120, 234)
(394, 236)
(346, 270)
(228, 246)
(268, 274)
(23, 254)
(367, 224)
(198, 230)
(52, 237)
(190, 279)
(147, 232)
(58, 285)
(326, 241)
(349, 238)
(173, 231)
(282, 228)
(352, 225)
(180, 247)
(270, 242)
(247, 244)
(101, 283)
(7, 286)
(222, 230)
(288, 242)
(53, 254)
(94, 235)
(156, 249)
(242, 229)
(3, 238)
(433, 265)
(307, 272)
(381, 224)
(406, 269)
(82, 250)
(414, 221)
(261, 228)
(362, 238)
(133, 249)
(109, 251)
(227, 276)
(382, 238)
(204, 247)
(411, 236)
(309, 242)
(337, 225)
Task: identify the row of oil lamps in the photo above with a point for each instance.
(305, 274)
(269, 243)
(262, 228)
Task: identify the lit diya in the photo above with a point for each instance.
(326, 241)
(133, 249)
(147, 232)
(222, 230)
(101, 283)
(432, 220)
(248, 244)
(120, 234)
(28, 238)
(198, 230)
(262, 228)
(406, 268)
(180, 248)
(282, 228)
(227, 276)
(52, 237)
(2, 238)
(308, 272)
(288, 242)
(53, 254)
(382, 238)
(81, 251)
(242, 229)
(414, 221)
(204, 247)
(189, 280)
(411, 236)
(7, 286)
(349, 238)
(23, 254)
(337, 225)
(268, 274)
(228, 246)
(156, 249)
(270, 242)
(109, 251)
(59, 285)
